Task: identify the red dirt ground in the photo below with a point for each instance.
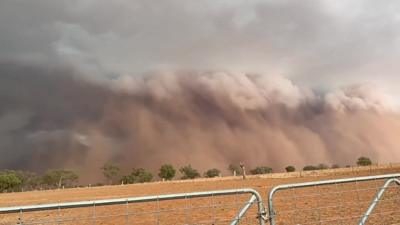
(335, 204)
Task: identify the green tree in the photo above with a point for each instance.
(128, 179)
(212, 173)
(364, 161)
(290, 169)
(59, 178)
(30, 180)
(9, 181)
(188, 172)
(167, 172)
(110, 172)
(261, 170)
(139, 175)
(234, 167)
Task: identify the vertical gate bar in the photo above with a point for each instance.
(186, 211)
(158, 211)
(20, 219)
(235, 204)
(262, 214)
(358, 198)
(58, 215)
(213, 209)
(319, 205)
(340, 203)
(295, 203)
(127, 212)
(94, 214)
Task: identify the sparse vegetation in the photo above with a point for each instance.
(137, 176)
(29, 179)
(9, 181)
(212, 173)
(261, 170)
(364, 161)
(12, 180)
(167, 172)
(335, 166)
(309, 168)
(290, 169)
(110, 172)
(188, 172)
(59, 178)
(234, 167)
(322, 166)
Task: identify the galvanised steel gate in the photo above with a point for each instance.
(346, 201)
(132, 216)
(358, 200)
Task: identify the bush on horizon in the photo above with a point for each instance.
(188, 172)
(167, 172)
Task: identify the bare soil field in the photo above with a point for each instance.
(334, 204)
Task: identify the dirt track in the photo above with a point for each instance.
(336, 204)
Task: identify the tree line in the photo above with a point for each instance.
(15, 180)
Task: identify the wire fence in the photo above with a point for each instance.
(213, 207)
(359, 200)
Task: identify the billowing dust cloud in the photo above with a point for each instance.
(208, 119)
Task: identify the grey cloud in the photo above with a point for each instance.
(303, 40)
(99, 80)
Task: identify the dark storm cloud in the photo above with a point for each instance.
(83, 82)
(50, 117)
(38, 102)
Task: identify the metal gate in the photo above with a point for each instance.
(214, 210)
(342, 201)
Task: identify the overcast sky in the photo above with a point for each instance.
(317, 43)
(305, 55)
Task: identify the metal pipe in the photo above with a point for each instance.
(376, 199)
(316, 183)
(243, 211)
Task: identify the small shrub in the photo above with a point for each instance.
(309, 168)
(290, 169)
(167, 172)
(137, 176)
(212, 173)
(188, 172)
(364, 161)
(322, 166)
(9, 181)
(261, 170)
